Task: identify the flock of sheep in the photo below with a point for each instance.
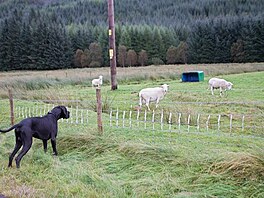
(156, 94)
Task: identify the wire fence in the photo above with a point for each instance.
(181, 121)
(161, 120)
(235, 124)
(174, 117)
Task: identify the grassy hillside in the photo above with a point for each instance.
(139, 163)
(111, 165)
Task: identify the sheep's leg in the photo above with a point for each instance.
(140, 101)
(212, 90)
(147, 104)
(157, 103)
(221, 91)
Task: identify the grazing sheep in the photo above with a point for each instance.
(97, 82)
(156, 94)
(217, 83)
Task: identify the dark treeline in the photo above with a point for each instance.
(53, 34)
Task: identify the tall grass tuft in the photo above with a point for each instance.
(241, 165)
(89, 144)
(106, 104)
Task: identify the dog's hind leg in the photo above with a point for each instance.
(45, 145)
(16, 149)
(27, 143)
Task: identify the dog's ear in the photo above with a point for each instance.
(64, 110)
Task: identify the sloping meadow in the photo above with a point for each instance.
(139, 163)
(113, 165)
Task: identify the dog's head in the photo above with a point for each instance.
(61, 112)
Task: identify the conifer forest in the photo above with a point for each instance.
(55, 34)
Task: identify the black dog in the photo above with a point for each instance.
(43, 128)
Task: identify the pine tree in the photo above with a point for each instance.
(147, 39)
(4, 47)
(157, 45)
(201, 44)
(12, 41)
(103, 42)
(169, 38)
(253, 38)
(223, 41)
(126, 38)
(25, 49)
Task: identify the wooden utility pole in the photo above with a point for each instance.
(11, 102)
(99, 110)
(112, 47)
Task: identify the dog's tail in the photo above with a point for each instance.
(10, 129)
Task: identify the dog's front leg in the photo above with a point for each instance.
(45, 142)
(53, 143)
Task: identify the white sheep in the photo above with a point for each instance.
(155, 94)
(218, 83)
(97, 82)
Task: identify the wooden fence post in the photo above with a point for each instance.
(99, 110)
(11, 101)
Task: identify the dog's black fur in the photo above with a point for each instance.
(43, 128)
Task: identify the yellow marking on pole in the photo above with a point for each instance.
(111, 53)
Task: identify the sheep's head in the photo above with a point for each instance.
(165, 87)
(229, 85)
(100, 77)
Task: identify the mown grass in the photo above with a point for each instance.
(135, 163)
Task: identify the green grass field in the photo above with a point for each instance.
(139, 163)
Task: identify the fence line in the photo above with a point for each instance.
(77, 101)
(78, 116)
(232, 123)
(159, 120)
